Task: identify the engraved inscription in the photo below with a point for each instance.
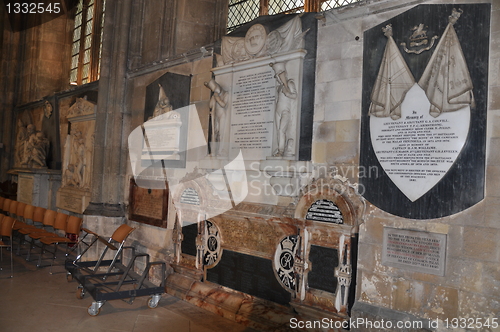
(413, 250)
(148, 202)
(253, 103)
(326, 211)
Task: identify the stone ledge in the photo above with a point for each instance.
(371, 313)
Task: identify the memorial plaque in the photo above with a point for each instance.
(414, 250)
(73, 199)
(190, 196)
(248, 274)
(25, 189)
(252, 119)
(326, 211)
(148, 205)
(424, 107)
(324, 261)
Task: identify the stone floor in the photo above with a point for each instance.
(34, 300)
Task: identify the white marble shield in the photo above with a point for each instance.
(417, 150)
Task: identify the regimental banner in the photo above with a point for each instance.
(424, 110)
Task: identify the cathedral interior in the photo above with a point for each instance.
(309, 165)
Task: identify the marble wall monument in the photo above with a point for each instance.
(424, 110)
(74, 194)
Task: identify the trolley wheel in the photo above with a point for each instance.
(93, 311)
(95, 308)
(69, 277)
(153, 301)
(80, 293)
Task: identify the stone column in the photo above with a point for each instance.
(110, 148)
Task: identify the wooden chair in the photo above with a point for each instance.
(35, 233)
(6, 206)
(37, 218)
(73, 227)
(6, 231)
(115, 243)
(13, 209)
(20, 211)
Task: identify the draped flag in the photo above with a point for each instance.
(393, 81)
(446, 79)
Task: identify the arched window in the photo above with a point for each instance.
(243, 11)
(87, 41)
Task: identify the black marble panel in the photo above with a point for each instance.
(463, 185)
(188, 245)
(322, 275)
(248, 274)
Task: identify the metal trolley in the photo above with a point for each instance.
(119, 281)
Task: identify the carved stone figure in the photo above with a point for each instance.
(218, 110)
(286, 94)
(22, 138)
(163, 105)
(47, 109)
(35, 149)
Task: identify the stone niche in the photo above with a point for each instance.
(36, 155)
(74, 194)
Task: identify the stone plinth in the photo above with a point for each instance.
(38, 186)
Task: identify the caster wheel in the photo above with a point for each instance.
(153, 302)
(80, 293)
(69, 277)
(95, 308)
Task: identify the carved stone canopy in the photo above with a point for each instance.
(81, 108)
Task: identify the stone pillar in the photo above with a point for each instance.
(110, 152)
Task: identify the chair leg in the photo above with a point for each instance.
(53, 258)
(11, 261)
(40, 257)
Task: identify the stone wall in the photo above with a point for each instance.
(469, 288)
